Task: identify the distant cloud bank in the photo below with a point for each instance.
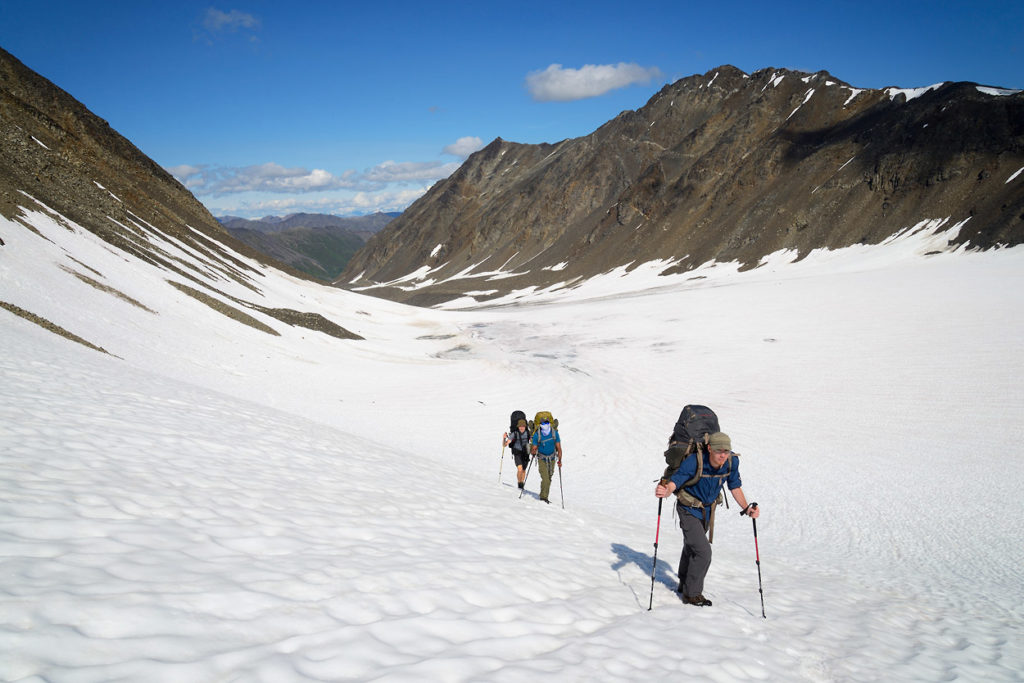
(360, 203)
(558, 84)
(254, 191)
(274, 178)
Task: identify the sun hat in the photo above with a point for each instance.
(719, 442)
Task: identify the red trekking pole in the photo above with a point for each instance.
(757, 554)
(654, 565)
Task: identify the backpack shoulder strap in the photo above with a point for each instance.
(700, 469)
(684, 496)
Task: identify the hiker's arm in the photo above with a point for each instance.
(558, 450)
(686, 470)
(741, 500)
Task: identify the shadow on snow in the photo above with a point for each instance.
(664, 573)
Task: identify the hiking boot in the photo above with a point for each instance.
(546, 501)
(697, 600)
(522, 484)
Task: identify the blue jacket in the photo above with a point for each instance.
(545, 444)
(706, 490)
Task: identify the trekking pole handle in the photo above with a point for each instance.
(744, 510)
(663, 482)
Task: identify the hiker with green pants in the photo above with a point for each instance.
(547, 446)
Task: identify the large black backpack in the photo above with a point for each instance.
(517, 415)
(695, 424)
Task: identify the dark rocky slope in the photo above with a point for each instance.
(720, 166)
(57, 156)
(56, 151)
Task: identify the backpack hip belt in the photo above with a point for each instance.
(691, 501)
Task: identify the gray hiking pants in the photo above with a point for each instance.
(695, 560)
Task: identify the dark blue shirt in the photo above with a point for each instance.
(709, 485)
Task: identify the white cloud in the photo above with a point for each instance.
(353, 204)
(396, 172)
(188, 175)
(463, 147)
(274, 178)
(385, 201)
(215, 20)
(184, 171)
(269, 177)
(270, 188)
(558, 84)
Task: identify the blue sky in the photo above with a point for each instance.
(337, 107)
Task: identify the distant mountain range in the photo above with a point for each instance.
(320, 245)
(722, 166)
(358, 224)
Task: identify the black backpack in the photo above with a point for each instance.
(691, 433)
(513, 423)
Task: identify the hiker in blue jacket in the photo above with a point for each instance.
(547, 446)
(719, 467)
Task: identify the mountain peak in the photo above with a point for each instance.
(721, 166)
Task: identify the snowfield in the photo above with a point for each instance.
(209, 502)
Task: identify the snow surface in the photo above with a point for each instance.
(853, 94)
(911, 93)
(209, 502)
(998, 92)
(773, 81)
(807, 97)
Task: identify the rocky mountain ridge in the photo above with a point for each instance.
(368, 224)
(58, 152)
(722, 166)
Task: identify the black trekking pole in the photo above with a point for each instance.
(561, 493)
(654, 565)
(757, 554)
(528, 466)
